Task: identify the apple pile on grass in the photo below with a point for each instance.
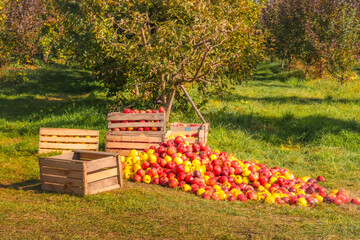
(128, 110)
(221, 176)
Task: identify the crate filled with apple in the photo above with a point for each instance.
(134, 129)
(65, 140)
(192, 132)
(218, 175)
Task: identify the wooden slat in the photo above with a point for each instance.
(98, 154)
(117, 116)
(122, 152)
(98, 185)
(116, 186)
(68, 132)
(67, 146)
(61, 172)
(139, 138)
(62, 188)
(69, 139)
(137, 133)
(119, 171)
(77, 166)
(52, 150)
(101, 175)
(98, 164)
(62, 180)
(129, 145)
(135, 124)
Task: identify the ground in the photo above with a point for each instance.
(311, 127)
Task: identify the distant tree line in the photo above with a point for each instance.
(150, 47)
(324, 34)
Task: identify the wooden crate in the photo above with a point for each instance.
(194, 133)
(123, 121)
(124, 142)
(65, 140)
(81, 172)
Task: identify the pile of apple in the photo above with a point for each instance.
(128, 110)
(221, 176)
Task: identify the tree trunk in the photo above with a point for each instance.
(307, 70)
(289, 66)
(137, 93)
(45, 56)
(163, 90)
(282, 63)
(169, 104)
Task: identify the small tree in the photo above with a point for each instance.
(157, 45)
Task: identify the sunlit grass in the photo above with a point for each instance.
(310, 127)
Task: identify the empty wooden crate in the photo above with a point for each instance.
(65, 140)
(81, 172)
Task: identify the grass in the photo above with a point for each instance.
(310, 127)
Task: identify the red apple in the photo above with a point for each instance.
(161, 109)
(137, 178)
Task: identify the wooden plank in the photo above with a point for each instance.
(63, 180)
(140, 138)
(52, 150)
(69, 139)
(121, 152)
(129, 145)
(62, 188)
(71, 165)
(103, 183)
(90, 156)
(61, 172)
(135, 124)
(119, 171)
(117, 116)
(100, 154)
(85, 180)
(92, 177)
(138, 133)
(116, 186)
(67, 146)
(98, 164)
(68, 132)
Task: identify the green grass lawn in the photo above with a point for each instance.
(310, 127)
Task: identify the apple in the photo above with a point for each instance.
(137, 178)
(231, 198)
(320, 178)
(194, 188)
(355, 201)
(181, 176)
(217, 170)
(173, 183)
(197, 174)
(141, 172)
(161, 109)
(155, 180)
(242, 197)
(145, 165)
(152, 172)
(188, 179)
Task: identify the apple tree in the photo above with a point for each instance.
(152, 46)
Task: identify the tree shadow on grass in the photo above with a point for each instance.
(51, 80)
(28, 185)
(276, 130)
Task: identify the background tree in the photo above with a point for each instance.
(158, 45)
(323, 34)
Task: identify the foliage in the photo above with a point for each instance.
(4, 53)
(31, 29)
(320, 33)
(157, 45)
